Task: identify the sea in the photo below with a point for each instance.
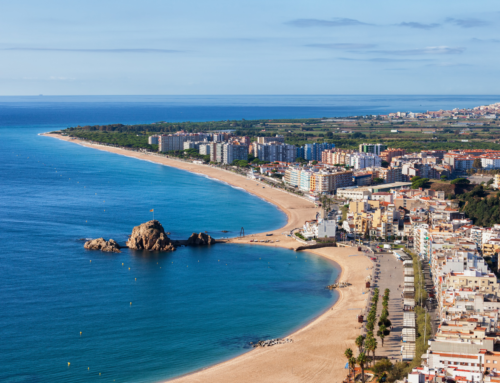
(72, 315)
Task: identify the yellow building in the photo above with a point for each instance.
(474, 280)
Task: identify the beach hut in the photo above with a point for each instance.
(408, 304)
(408, 272)
(409, 280)
(409, 319)
(408, 351)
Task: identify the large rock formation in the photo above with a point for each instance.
(150, 236)
(101, 244)
(201, 239)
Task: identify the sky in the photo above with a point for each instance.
(224, 47)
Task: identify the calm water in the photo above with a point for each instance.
(190, 308)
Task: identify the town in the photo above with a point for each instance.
(433, 213)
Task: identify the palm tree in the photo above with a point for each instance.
(361, 360)
(371, 345)
(348, 354)
(352, 363)
(359, 342)
(381, 333)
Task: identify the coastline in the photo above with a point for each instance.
(317, 351)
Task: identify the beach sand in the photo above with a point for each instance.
(317, 351)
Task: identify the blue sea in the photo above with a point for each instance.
(71, 315)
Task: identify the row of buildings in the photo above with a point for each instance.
(486, 111)
(466, 346)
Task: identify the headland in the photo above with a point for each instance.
(316, 353)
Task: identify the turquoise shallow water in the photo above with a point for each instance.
(190, 308)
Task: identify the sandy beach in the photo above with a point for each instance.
(316, 354)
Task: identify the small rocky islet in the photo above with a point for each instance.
(149, 236)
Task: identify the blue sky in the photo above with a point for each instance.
(154, 47)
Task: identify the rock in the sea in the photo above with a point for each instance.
(201, 239)
(150, 236)
(101, 244)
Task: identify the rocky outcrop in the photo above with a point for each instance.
(101, 244)
(201, 239)
(150, 236)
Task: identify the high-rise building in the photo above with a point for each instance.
(372, 148)
(172, 142)
(153, 140)
(265, 140)
(232, 152)
(205, 149)
(313, 152)
(275, 151)
(389, 154)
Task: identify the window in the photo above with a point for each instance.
(487, 361)
(494, 362)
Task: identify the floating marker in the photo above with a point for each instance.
(88, 368)
(91, 261)
(129, 268)
(80, 333)
(130, 303)
(68, 364)
(122, 264)
(136, 279)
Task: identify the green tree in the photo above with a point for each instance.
(360, 340)
(477, 163)
(382, 366)
(371, 346)
(362, 360)
(352, 363)
(349, 355)
(381, 333)
(460, 181)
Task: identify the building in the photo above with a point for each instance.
(337, 156)
(153, 140)
(313, 152)
(171, 142)
(362, 178)
(191, 145)
(496, 181)
(275, 152)
(383, 196)
(325, 181)
(266, 140)
(233, 152)
(354, 194)
(205, 149)
(372, 148)
(389, 154)
(363, 160)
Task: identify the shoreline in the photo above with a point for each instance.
(316, 353)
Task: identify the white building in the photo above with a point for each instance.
(490, 162)
(204, 149)
(153, 140)
(275, 151)
(354, 194)
(364, 160)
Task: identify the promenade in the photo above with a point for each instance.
(390, 276)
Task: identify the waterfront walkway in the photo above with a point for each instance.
(390, 276)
